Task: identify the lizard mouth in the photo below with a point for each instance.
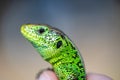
(27, 32)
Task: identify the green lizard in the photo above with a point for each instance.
(56, 48)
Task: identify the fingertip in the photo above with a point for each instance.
(94, 76)
(47, 74)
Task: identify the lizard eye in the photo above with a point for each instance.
(41, 30)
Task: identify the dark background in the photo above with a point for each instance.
(93, 25)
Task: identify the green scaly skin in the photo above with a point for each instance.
(56, 48)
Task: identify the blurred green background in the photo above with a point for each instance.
(93, 25)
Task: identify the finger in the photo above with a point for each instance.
(46, 75)
(50, 75)
(93, 76)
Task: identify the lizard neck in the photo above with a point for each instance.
(63, 58)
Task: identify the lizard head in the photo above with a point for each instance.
(47, 40)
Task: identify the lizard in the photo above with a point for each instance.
(56, 48)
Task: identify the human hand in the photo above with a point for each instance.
(50, 75)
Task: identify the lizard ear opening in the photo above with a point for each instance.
(59, 44)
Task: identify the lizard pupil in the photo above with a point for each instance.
(59, 44)
(41, 30)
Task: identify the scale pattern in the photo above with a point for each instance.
(56, 48)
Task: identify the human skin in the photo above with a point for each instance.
(50, 75)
